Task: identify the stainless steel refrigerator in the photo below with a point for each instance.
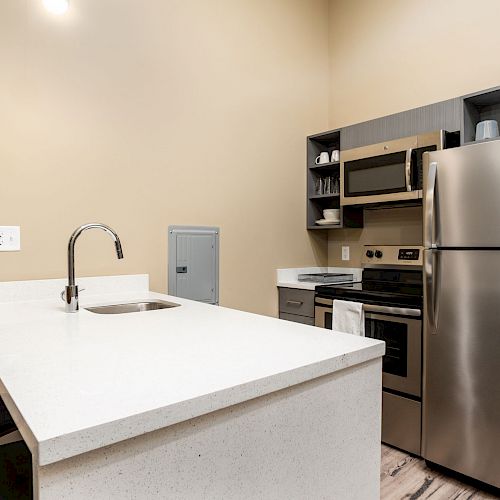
(461, 398)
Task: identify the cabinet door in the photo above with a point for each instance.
(193, 263)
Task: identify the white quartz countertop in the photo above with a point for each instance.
(288, 278)
(77, 382)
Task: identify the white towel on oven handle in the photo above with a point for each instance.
(348, 317)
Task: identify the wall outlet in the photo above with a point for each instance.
(345, 253)
(10, 238)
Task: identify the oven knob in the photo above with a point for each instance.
(369, 253)
(378, 254)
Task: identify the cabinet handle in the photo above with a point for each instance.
(294, 302)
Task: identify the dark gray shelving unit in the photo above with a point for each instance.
(316, 202)
(477, 107)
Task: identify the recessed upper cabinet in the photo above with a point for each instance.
(445, 115)
(479, 107)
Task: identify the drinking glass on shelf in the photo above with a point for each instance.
(318, 186)
(336, 186)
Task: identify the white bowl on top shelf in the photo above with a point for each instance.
(331, 213)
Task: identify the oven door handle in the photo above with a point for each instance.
(408, 169)
(401, 311)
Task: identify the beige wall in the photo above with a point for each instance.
(387, 56)
(391, 55)
(394, 226)
(144, 114)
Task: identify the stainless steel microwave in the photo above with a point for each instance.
(388, 172)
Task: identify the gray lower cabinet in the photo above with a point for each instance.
(297, 319)
(296, 305)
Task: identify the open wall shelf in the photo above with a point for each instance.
(319, 198)
(323, 196)
(476, 108)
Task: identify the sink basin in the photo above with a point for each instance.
(131, 307)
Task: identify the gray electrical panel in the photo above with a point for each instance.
(193, 263)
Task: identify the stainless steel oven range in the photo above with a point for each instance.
(392, 295)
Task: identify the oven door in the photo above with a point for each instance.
(402, 363)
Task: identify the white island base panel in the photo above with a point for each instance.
(319, 439)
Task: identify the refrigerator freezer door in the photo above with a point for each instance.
(462, 207)
(461, 398)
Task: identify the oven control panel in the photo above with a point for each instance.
(409, 254)
(392, 255)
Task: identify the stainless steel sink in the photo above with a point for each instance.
(131, 307)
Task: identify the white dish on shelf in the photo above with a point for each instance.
(326, 222)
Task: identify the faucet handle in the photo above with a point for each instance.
(63, 293)
(70, 298)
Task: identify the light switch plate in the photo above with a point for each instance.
(345, 253)
(10, 238)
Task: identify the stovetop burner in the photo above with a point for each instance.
(380, 286)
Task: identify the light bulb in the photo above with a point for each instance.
(56, 6)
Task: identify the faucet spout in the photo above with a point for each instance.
(70, 294)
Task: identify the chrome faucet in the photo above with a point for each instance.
(70, 293)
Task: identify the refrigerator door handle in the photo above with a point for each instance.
(431, 278)
(408, 169)
(429, 205)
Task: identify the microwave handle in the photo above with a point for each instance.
(408, 169)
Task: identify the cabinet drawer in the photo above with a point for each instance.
(295, 301)
(306, 320)
(395, 410)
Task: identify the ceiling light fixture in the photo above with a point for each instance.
(56, 6)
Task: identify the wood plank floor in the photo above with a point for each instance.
(403, 476)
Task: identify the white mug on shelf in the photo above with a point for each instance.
(335, 155)
(322, 158)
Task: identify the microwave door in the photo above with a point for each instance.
(378, 179)
(379, 173)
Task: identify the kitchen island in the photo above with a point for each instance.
(191, 402)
